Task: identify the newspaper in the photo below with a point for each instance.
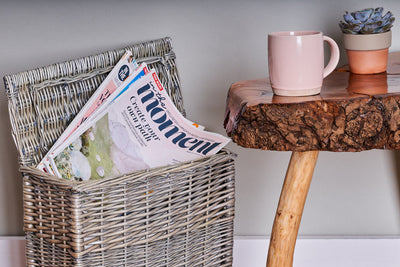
(125, 67)
(138, 127)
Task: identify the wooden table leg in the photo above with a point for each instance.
(290, 208)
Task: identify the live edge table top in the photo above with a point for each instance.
(352, 113)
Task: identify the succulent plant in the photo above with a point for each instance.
(367, 21)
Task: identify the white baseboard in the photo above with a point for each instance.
(252, 252)
(12, 251)
(323, 252)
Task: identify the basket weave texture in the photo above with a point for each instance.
(178, 215)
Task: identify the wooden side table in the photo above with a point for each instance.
(352, 113)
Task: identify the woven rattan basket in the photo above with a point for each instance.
(179, 215)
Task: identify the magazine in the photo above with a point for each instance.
(125, 67)
(140, 128)
(139, 72)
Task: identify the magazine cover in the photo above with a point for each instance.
(125, 68)
(140, 72)
(141, 129)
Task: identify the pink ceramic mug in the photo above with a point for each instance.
(296, 62)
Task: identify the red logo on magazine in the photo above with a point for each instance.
(159, 85)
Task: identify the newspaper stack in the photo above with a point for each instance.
(129, 124)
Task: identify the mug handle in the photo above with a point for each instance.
(335, 54)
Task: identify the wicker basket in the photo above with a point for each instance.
(179, 215)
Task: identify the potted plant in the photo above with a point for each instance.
(367, 38)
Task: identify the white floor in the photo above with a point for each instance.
(252, 251)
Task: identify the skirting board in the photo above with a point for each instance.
(323, 252)
(252, 252)
(12, 251)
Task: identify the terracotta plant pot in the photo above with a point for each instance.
(367, 53)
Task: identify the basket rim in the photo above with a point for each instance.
(85, 185)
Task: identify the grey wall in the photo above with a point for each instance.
(217, 43)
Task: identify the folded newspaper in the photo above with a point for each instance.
(130, 123)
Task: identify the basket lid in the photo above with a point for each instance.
(43, 101)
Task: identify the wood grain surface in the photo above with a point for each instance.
(290, 208)
(353, 113)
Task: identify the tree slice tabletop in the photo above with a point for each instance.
(353, 112)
